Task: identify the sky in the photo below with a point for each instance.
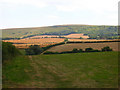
(37, 13)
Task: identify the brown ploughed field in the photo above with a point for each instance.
(71, 46)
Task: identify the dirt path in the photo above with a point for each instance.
(35, 66)
(36, 74)
(45, 75)
(41, 77)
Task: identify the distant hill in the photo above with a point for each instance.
(93, 31)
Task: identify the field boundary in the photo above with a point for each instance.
(93, 41)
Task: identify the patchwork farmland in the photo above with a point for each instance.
(69, 70)
(43, 42)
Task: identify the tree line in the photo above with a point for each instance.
(75, 50)
(36, 50)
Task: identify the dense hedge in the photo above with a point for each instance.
(36, 49)
(107, 48)
(47, 47)
(9, 51)
(91, 41)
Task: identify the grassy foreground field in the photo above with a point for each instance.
(80, 70)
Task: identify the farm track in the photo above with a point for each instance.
(45, 73)
(38, 69)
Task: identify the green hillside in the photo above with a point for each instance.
(79, 70)
(93, 31)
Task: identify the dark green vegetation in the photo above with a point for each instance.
(107, 48)
(9, 51)
(77, 70)
(99, 32)
(75, 50)
(36, 49)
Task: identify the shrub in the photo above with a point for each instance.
(107, 48)
(88, 50)
(75, 50)
(80, 50)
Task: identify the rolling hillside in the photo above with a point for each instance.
(93, 31)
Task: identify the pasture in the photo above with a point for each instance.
(79, 70)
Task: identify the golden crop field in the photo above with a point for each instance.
(71, 46)
(76, 36)
(25, 43)
(66, 36)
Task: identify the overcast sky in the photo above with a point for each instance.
(36, 13)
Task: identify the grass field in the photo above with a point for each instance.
(71, 46)
(80, 70)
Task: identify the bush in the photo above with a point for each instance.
(34, 50)
(80, 50)
(88, 50)
(107, 48)
(75, 50)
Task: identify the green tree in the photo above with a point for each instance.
(34, 50)
(107, 48)
(88, 49)
(80, 50)
(75, 50)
